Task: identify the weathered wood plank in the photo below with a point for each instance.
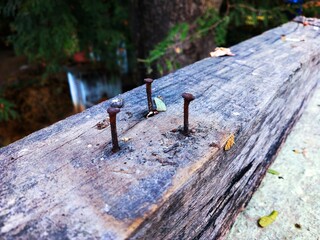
(64, 182)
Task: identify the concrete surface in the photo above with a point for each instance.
(295, 193)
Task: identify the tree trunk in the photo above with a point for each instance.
(154, 18)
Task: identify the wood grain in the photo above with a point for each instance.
(63, 182)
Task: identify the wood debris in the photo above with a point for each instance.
(221, 51)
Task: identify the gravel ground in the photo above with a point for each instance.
(295, 193)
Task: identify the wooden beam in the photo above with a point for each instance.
(64, 182)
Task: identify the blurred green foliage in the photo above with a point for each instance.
(7, 111)
(237, 20)
(51, 31)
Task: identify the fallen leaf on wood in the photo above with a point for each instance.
(229, 143)
(267, 220)
(221, 51)
(273, 172)
(160, 105)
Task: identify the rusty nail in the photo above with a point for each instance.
(148, 82)
(188, 97)
(112, 114)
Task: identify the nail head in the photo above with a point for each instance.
(148, 80)
(188, 96)
(113, 110)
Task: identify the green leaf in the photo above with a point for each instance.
(160, 69)
(169, 65)
(273, 172)
(254, 18)
(184, 31)
(7, 111)
(267, 220)
(221, 32)
(51, 32)
(160, 105)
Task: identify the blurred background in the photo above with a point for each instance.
(59, 57)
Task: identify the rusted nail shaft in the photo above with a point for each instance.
(113, 126)
(188, 97)
(148, 82)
